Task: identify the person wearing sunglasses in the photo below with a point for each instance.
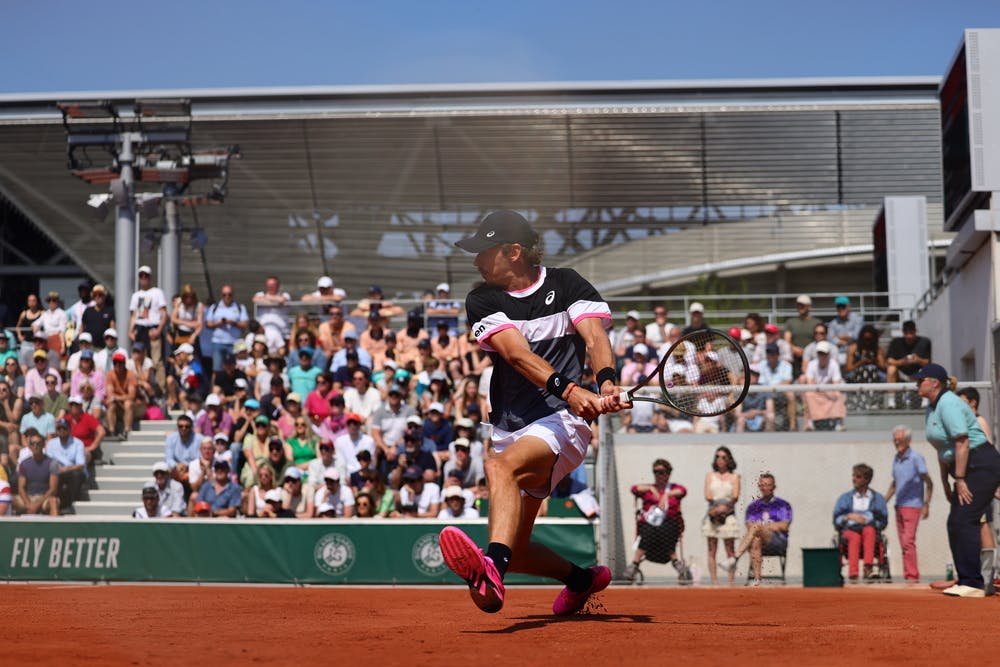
(660, 524)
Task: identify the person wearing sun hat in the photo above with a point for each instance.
(966, 456)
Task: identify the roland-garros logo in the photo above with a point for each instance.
(334, 553)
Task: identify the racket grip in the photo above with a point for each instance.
(623, 398)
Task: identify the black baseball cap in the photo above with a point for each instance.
(497, 228)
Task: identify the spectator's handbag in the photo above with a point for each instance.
(719, 511)
(654, 516)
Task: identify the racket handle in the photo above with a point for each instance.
(624, 398)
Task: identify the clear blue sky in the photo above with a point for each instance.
(61, 45)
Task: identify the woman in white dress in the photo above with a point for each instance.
(722, 489)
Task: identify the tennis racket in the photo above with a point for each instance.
(705, 373)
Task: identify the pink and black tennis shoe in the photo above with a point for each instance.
(569, 602)
(468, 561)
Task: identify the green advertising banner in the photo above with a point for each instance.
(257, 551)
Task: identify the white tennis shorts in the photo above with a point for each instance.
(567, 435)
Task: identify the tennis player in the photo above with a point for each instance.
(536, 323)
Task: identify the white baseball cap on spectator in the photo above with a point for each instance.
(145, 269)
(453, 491)
(241, 383)
(324, 508)
(331, 474)
(221, 437)
(161, 466)
(696, 307)
(325, 282)
(443, 287)
(640, 348)
(464, 422)
(76, 398)
(340, 292)
(273, 495)
(184, 348)
(804, 300)
(435, 407)
(212, 399)
(415, 420)
(110, 332)
(85, 337)
(745, 334)
(293, 473)
(634, 314)
(824, 347)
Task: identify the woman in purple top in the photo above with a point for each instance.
(659, 523)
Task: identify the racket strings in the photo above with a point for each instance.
(705, 374)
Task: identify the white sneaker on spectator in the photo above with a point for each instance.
(728, 564)
(753, 582)
(961, 591)
(890, 402)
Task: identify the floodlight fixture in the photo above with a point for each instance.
(149, 204)
(160, 108)
(88, 110)
(101, 203)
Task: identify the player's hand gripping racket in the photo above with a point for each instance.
(703, 374)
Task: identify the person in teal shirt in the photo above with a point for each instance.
(303, 377)
(965, 453)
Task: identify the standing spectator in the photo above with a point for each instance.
(52, 323)
(768, 519)
(84, 291)
(228, 321)
(26, 328)
(323, 292)
(222, 495)
(148, 317)
(69, 453)
(444, 309)
(906, 355)
(660, 523)
(186, 317)
(858, 516)
(912, 487)
(845, 328)
(658, 331)
(37, 480)
(121, 385)
(98, 317)
(966, 455)
(170, 491)
(150, 507)
(272, 312)
(722, 490)
(799, 331)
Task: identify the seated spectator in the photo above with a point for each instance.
(274, 508)
(865, 359)
(11, 408)
(444, 345)
(373, 339)
(150, 507)
(200, 469)
(294, 496)
(754, 323)
(469, 469)
(214, 419)
(388, 424)
(85, 426)
(768, 519)
(224, 379)
(86, 373)
(318, 400)
(809, 351)
(640, 418)
(412, 456)
(85, 342)
(824, 410)
(222, 496)
(640, 365)
(772, 335)
(54, 400)
(256, 498)
(438, 392)
(279, 457)
(752, 414)
(34, 379)
(418, 498)
(303, 444)
(202, 509)
(184, 376)
(170, 491)
(332, 332)
(255, 450)
(859, 515)
(843, 329)
(337, 496)
(442, 308)
(6, 497)
(37, 418)
(361, 397)
(37, 479)
(437, 430)
(264, 383)
(455, 505)
(660, 522)
(69, 453)
(148, 390)
(573, 487)
(349, 444)
(364, 506)
(776, 371)
(906, 355)
(121, 385)
(181, 446)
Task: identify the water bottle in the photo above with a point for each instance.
(949, 571)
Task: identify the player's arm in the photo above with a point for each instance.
(511, 344)
(591, 329)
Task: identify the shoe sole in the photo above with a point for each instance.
(465, 559)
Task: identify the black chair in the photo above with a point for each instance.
(880, 564)
(779, 551)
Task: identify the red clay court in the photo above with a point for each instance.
(168, 625)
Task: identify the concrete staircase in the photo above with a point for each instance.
(128, 464)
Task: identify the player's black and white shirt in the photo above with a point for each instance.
(546, 313)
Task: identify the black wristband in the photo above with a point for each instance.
(605, 374)
(557, 384)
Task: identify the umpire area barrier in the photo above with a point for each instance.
(334, 551)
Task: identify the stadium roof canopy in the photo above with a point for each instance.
(372, 184)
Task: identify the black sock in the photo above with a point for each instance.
(579, 579)
(500, 554)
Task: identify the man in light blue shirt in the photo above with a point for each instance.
(775, 371)
(228, 321)
(70, 455)
(181, 446)
(912, 487)
(845, 328)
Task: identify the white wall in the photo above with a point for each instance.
(810, 474)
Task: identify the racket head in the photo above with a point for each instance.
(705, 373)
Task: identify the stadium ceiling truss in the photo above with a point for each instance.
(377, 183)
